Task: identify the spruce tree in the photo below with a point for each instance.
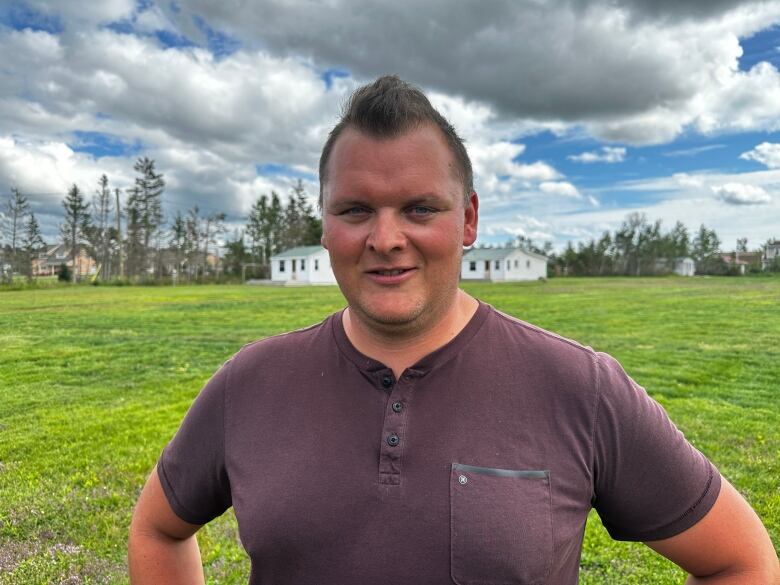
(76, 224)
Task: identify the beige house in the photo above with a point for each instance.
(53, 256)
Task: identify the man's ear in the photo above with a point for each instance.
(470, 216)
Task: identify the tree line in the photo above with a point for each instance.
(640, 247)
(132, 240)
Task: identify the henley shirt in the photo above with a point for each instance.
(477, 466)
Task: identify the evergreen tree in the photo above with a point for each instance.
(134, 240)
(17, 208)
(214, 227)
(178, 241)
(32, 243)
(101, 240)
(118, 236)
(77, 222)
(236, 255)
(147, 201)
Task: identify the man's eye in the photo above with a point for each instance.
(421, 210)
(354, 211)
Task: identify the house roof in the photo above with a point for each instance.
(298, 251)
(476, 254)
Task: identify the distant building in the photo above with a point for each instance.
(302, 265)
(684, 266)
(502, 265)
(741, 261)
(770, 254)
(52, 257)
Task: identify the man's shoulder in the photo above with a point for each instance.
(287, 346)
(536, 339)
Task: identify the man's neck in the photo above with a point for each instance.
(401, 349)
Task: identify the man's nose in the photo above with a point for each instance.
(386, 233)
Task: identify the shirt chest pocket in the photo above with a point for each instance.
(500, 526)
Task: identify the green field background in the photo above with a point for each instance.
(94, 381)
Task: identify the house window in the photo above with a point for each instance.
(497, 264)
(316, 264)
(508, 264)
(517, 263)
(528, 264)
(303, 264)
(281, 265)
(472, 266)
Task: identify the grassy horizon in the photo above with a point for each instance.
(95, 380)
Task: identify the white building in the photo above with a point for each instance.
(502, 264)
(684, 266)
(772, 251)
(302, 265)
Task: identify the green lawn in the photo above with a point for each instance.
(94, 381)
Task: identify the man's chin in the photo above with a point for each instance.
(395, 318)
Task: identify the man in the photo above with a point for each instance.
(420, 436)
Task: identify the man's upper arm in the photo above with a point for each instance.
(729, 540)
(154, 516)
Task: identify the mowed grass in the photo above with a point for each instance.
(95, 380)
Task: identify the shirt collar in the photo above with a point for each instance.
(427, 363)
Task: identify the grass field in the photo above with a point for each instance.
(94, 381)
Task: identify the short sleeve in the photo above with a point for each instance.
(192, 466)
(650, 483)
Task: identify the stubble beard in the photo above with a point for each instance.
(421, 317)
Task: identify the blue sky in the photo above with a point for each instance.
(574, 116)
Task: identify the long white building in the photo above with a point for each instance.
(502, 265)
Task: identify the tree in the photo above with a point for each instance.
(214, 226)
(742, 245)
(706, 250)
(194, 233)
(77, 222)
(300, 226)
(236, 255)
(101, 239)
(178, 241)
(118, 214)
(265, 229)
(146, 204)
(17, 208)
(32, 242)
(134, 240)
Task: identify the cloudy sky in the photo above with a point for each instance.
(575, 112)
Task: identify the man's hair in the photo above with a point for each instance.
(387, 108)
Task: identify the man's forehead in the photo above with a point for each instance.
(419, 144)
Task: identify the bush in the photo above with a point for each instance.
(64, 274)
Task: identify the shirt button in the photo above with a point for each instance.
(387, 380)
(393, 440)
(397, 406)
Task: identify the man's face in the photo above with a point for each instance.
(395, 225)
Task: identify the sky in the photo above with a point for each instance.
(575, 112)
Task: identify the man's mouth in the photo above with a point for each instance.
(390, 272)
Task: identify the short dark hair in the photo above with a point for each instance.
(387, 108)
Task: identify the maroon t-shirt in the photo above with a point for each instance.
(477, 466)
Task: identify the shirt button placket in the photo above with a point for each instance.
(393, 428)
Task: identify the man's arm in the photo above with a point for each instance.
(162, 548)
(728, 545)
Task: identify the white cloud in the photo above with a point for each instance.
(742, 194)
(767, 153)
(617, 65)
(562, 188)
(607, 154)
